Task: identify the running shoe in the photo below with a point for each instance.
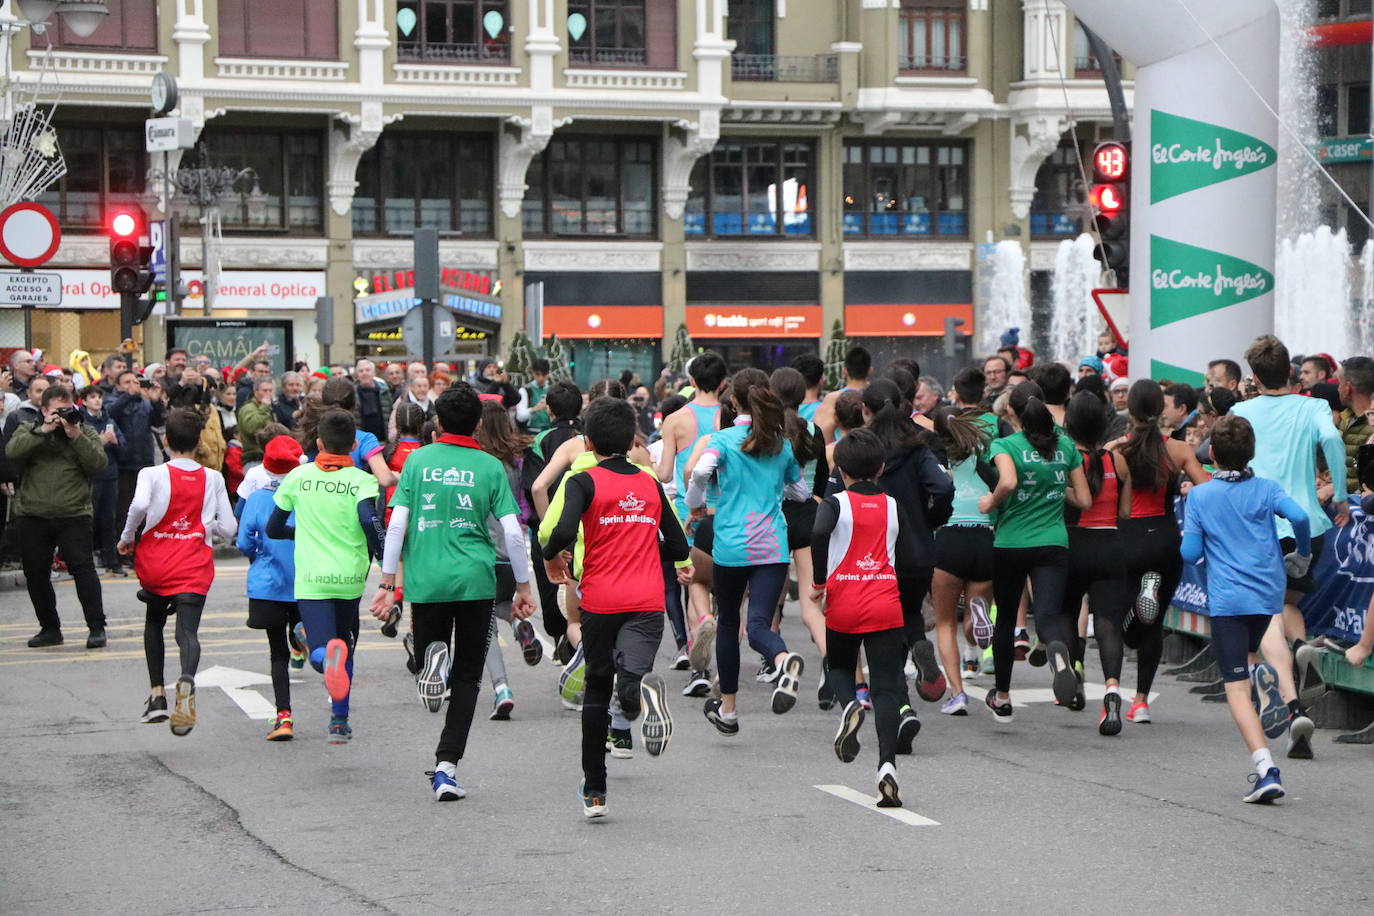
(789, 682)
(682, 662)
(1307, 666)
(408, 643)
(1080, 699)
(1266, 790)
(1110, 722)
(1300, 738)
(393, 618)
(1001, 709)
(433, 677)
(930, 680)
(502, 703)
(656, 728)
(563, 650)
(97, 639)
(825, 697)
(530, 646)
(989, 664)
(847, 738)
(156, 710)
(982, 622)
(727, 727)
(339, 730)
(593, 803)
(1273, 711)
(620, 743)
(698, 684)
(572, 682)
(1038, 654)
(767, 673)
(887, 787)
(1147, 599)
(282, 727)
(183, 717)
(1021, 647)
(971, 669)
(908, 727)
(335, 669)
(956, 705)
(1065, 678)
(295, 639)
(863, 695)
(699, 657)
(445, 787)
(1139, 713)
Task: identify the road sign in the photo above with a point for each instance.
(22, 288)
(413, 332)
(1115, 306)
(29, 234)
(157, 237)
(163, 135)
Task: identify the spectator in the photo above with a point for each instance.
(1055, 383)
(57, 456)
(175, 363)
(22, 371)
(929, 394)
(1180, 401)
(664, 385)
(226, 399)
(110, 370)
(415, 369)
(996, 370)
(136, 406)
(31, 408)
(194, 392)
(417, 393)
(292, 398)
(644, 411)
(1224, 373)
(1211, 406)
(374, 399)
(1107, 345)
(258, 369)
(395, 376)
(1120, 388)
(1357, 396)
(533, 411)
(439, 380)
(252, 417)
(491, 379)
(1091, 365)
(105, 485)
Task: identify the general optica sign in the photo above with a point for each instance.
(288, 290)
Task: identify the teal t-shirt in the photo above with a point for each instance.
(1034, 515)
(750, 529)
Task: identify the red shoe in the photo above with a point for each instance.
(1139, 713)
(335, 671)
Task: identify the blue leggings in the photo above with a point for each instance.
(765, 584)
(326, 619)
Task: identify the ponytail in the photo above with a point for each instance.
(963, 438)
(790, 387)
(891, 415)
(766, 427)
(1085, 420)
(1037, 423)
(1147, 457)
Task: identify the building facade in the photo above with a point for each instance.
(756, 172)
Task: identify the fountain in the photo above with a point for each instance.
(1075, 319)
(1007, 305)
(1312, 300)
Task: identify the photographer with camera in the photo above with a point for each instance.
(57, 457)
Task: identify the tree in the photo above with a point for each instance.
(835, 353)
(557, 356)
(520, 360)
(683, 350)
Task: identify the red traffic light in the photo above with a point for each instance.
(1108, 198)
(1111, 162)
(124, 224)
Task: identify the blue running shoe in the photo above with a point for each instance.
(339, 730)
(502, 704)
(593, 803)
(1273, 711)
(1267, 789)
(444, 786)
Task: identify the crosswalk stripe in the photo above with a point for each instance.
(871, 803)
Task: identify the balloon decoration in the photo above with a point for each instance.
(577, 26)
(492, 22)
(405, 21)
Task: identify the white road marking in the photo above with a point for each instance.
(1093, 692)
(870, 802)
(234, 682)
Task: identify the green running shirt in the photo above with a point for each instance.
(1033, 516)
(331, 549)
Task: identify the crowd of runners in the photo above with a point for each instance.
(930, 540)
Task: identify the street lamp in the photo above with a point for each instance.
(206, 186)
(81, 16)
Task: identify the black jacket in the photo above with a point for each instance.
(135, 416)
(284, 410)
(913, 477)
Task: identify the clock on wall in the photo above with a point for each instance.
(164, 93)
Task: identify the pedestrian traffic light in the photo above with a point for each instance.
(1111, 201)
(129, 261)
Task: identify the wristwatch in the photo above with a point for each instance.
(390, 588)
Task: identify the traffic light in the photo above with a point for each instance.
(1111, 201)
(129, 261)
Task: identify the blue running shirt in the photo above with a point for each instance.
(706, 424)
(749, 528)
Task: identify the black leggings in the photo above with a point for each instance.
(620, 650)
(1097, 570)
(465, 627)
(555, 624)
(1151, 545)
(886, 653)
(672, 603)
(1047, 568)
(188, 608)
(280, 653)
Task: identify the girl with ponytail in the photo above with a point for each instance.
(1038, 471)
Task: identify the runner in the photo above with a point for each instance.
(812, 369)
(565, 406)
(272, 578)
(180, 507)
(755, 466)
(857, 366)
(859, 542)
(1096, 567)
(410, 425)
(1038, 471)
(336, 533)
(366, 454)
(439, 530)
(672, 587)
(628, 530)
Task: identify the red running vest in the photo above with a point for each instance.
(861, 588)
(1102, 513)
(621, 568)
(172, 556)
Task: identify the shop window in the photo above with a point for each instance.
(1060, 204)
(1357, 109)
(106, 167)
(279, 185)
(591, 186)
(288, 29)
(433, 181)
(931, 36)
(899, 188)
(753, 188)
(750, 26)
(1085, 62)
(130, 26)
(456, 31)
(607, 32)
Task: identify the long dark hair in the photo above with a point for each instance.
(336, 393)
(890, 415)
(1085, 420)
(790, 387)
(498, 436)
(961, 435)
(1147, 457)
(1027, 401)
(751, 394)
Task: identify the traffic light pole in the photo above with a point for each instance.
(128, 307)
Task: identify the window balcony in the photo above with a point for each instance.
(922, 63)
(817, 68)
(439, 52)
(607, 57)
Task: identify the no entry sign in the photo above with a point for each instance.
(29, 234)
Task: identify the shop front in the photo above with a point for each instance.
(764, 336)
(609, 322)
(384, 298)
(903, 313)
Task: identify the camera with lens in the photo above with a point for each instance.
(70, 415)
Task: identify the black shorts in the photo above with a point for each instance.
(965, 552)
(1307, 585)
(704, 537)
(800, 518)
(1233, 639)
(264, 614)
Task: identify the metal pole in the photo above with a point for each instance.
(28, 328)
(1111, 76)
(207, 283)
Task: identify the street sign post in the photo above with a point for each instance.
(444, 326)
(162, 135)
(31, 290)
(29, 234)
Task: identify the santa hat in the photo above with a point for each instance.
(322, 372)
(281, 455)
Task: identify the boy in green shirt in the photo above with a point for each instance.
(438, 528)
(336, 534)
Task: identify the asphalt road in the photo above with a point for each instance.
(102, 814)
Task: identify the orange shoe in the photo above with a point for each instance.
(335, 669)
(282, 727)
(1139, 713)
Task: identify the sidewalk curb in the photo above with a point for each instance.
(13, 579)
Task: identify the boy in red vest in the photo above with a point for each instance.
(859, 541)
(180, 507)
(628, 531)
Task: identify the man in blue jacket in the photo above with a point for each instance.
(135, 408)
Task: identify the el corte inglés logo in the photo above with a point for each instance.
(1186, 281)
(1186, 155)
